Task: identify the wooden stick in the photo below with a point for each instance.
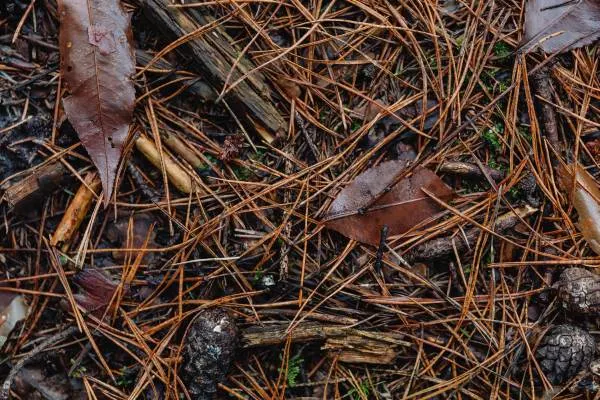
(348, 344)
(214, 55)
(33, 188)
(76, 211)
(470, 169)
(176, 175)
(178, 146)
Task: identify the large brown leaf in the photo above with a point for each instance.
(561, 25)
(403, 207)
(586, 200)
(97, 63)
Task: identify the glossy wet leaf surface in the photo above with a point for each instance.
(97, 63)
(402, 208)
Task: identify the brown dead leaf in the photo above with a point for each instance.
(402, 208)
(97, 63)
(133, 233)
(586, 200)
(97, 290)
(560, 25)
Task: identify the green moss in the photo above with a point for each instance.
(502, 50)
(293, 369)
(362, 392)
(492, 137)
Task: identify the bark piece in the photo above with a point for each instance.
(35, 187)
(470, 170)
(214, 55)
(442, 247)
(176, 175)
(348, 344)
(76, 212)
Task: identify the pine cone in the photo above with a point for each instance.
(579, 289)
(209, 347)
(564, 351)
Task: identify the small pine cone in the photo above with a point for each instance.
(209, 347)
(579, 290)
(564, 351)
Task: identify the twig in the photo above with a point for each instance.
(381, 248)
(543, 89)
(76, 212)
(471, 170)
(176, 175)
(5, 392)
(32, 188)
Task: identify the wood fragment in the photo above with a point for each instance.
(178, 146)
(76, 211)
(348, 344)
(443, 247)
(470, 170)
(5, 390)
(33, 188)
(176, 175)
(214, 55)
(543, 90)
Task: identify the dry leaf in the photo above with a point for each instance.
(13, 309)
(586, 200)
(403, 207)
(97, 63)
(561, 25)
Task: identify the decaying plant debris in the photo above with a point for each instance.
(301, 199)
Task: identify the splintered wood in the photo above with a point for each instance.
(76, 212)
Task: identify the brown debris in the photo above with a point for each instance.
(76, 212)
(404, 206)
(470, 170)
(176, 175)
(347, 344)
(35, 187)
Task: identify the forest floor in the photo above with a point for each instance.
(431, 276)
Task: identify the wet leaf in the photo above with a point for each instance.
(561, 25)
(403, 207)
(13, 309)
(97, 290)
(586, 200)
(97, 63)
(134, 234)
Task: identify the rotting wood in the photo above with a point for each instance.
(76, 211)
(443, 247)
(543, 90)
(470, 170)
(32, 189)
(214, 55)
(348, 344)
(175, 174)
